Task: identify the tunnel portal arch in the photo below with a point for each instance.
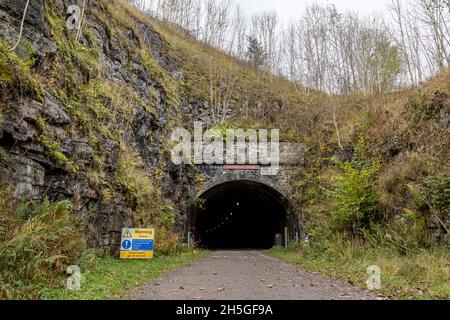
(241, 213)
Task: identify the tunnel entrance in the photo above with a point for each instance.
(240, 214)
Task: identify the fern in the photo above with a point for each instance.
(37, 241)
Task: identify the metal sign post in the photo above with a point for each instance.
(286, 237)
(189, 239)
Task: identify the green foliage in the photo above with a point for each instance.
(385, 63)
(74, 54)
(150, 209)
(138, 187)
(354, 197)
(169, 85)
(255, 53)
(421, 274)
(166, 218)
(437, 192)
(408, 233)
(76, 80)
(53, 147)
(16, 77)
(37, 242)
(431, 202)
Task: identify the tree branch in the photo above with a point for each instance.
(337, 128)
(21, 26)
(77, 38)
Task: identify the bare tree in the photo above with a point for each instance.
(221, 88)
(324, 49)
(217, 22)
(238, 34)
(421, 30)
(265, 31)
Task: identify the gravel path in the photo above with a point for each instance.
(245, 275)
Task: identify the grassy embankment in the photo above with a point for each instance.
(424, 274)
(111, 279)
(384, 200)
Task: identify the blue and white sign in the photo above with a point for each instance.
(137, 243)
(126, 245)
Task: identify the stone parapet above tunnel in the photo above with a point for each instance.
(292, 153)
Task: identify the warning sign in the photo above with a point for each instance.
(127, 234)
(137, 243)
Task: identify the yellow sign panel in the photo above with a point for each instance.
(136, 254)
(143, 233)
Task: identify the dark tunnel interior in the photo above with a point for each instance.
(240, 215)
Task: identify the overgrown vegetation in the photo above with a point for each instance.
(353, 197)
(100, 108)
(422, 274)
(38, 240)
(383, 199)
(432, 203)
(17, 78)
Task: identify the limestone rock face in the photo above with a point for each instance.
(62, 159)
(35, 13)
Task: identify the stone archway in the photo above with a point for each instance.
(241, 213)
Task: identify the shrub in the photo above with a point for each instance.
(138, 187)
(37, 242)
(354, 197)
(425, 107)
(16, 77)
(437, 191)
(408, 233)
(395, 176)
(432, 202)
(166, 241)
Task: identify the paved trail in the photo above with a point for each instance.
(245, 275)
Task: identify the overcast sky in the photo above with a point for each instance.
(292, 9)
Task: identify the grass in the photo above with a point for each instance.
(37, 241)
(17, 76)
(422, 275)
(113, 279)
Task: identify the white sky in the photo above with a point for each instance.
(292, 9)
